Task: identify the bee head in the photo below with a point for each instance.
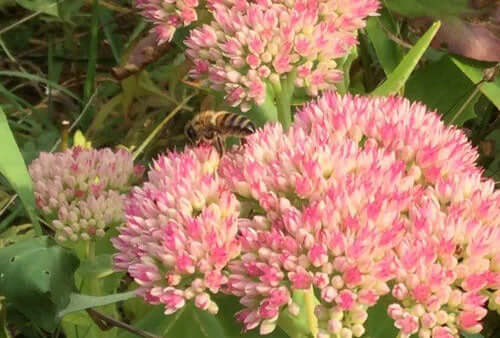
(191, 133)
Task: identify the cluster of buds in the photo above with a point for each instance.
(180, 232)
(81, 191)
(168, 15)
(252, 45)
(360, 198)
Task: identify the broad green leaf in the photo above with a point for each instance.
(474, 71)
(80, 302)
(14, 169)
(389, 53)
(426, 85)
(37, 279)
(397, 79)
(427, 7)
(379, 324)
(45, 6)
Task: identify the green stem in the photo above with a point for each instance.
(284, 93)
(310, 302)
(92, 281)
(304, 324)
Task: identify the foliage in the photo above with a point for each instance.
(89, 72)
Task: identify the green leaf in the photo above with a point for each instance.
(389, 53)
(14, 169)
(474, 71)
(379, 324)
(426, 85)
(80, 302)
(427, 7)
(37, 279)
(397, 79)
(45, 6)
(189, 322)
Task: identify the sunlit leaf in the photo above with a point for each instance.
(397, 79)
(14, 169)
(80, 302)
(474, 71)
(45, 6)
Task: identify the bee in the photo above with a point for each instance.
(215, 126)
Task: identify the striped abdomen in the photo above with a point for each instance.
(233, 124)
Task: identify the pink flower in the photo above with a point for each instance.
(180, 231)
(302, 36)
(81, 191)
(358, 193)
(324, 205)
(444, 263)
(167, 16)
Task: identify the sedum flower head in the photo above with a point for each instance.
(362, 197)
(180, 231)
(81, 191)
(252, 44)
(168, 15)
(447, 271)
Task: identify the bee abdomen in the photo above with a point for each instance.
(236, 124)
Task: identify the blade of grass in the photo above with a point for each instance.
(115, 46)
(92, 64)
(396, 80)
(160, 126)
(37, 78)
(26, 18)
(14, 169)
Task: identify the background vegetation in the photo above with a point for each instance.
(88, 65)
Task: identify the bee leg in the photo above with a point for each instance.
(219, 145)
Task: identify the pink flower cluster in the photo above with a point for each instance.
(180, 232)
(252, 44)
(360, 198)
(81, 191)
(168, 15)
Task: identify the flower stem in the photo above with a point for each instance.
(284, 94)
(310, 302)
(92, 281)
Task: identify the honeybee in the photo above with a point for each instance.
(215, 126)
